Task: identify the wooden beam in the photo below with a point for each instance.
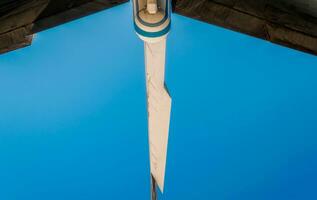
(20, 19)
(272, 20)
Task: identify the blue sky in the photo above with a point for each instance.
(73, 115)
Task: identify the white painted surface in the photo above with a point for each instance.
(152, 6)
(159, 108)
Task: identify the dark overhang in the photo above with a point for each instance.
(20, 19)
(292, 23)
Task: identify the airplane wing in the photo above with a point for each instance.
(292, 23)
(20, 19)
(159, 108)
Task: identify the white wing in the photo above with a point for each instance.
(159, 108)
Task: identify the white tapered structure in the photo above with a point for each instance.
(152, 24)
(159, 108)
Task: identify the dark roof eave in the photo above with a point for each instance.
(20, 19)
(271, 20)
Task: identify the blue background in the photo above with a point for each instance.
(73, 115)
